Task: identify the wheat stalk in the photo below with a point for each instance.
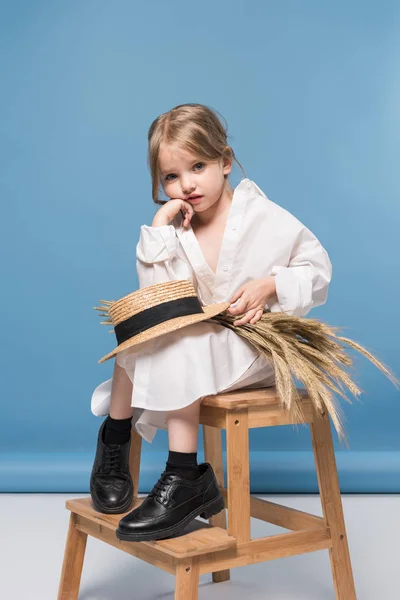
(309, 350)
(104, 308)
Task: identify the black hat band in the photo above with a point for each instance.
(155, 315)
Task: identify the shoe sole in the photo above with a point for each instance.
(205, 512)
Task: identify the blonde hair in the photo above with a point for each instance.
(193, 127)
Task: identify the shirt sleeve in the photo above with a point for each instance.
(157, 257)
(156, 244)
(303, 284)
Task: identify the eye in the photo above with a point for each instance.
(167, 177)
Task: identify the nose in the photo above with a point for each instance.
(188, 187)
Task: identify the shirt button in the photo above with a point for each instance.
(233, 228)
(225, 268)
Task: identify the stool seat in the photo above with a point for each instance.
(225, 542)
(266, 396)
(263, 407)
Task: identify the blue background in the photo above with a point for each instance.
(311, 94)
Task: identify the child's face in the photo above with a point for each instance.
(183, 174)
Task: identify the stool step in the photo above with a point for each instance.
(199, 537)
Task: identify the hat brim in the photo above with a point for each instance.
(171, 325)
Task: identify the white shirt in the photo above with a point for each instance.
(260, 239)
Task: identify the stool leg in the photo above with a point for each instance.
(213, 454)
(238, 474)
(329, 488)
(187, 580)
(134, 459)
(74, 554)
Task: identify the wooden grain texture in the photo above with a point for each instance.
(280, 515)
(199, 537)
(134, 459)
(74, 555)
(187, 580)
(151, 555)
(270, 416)
(213, 454)
(214, 417)
(267, 396)
(238, 474)
(331, 501)
(268, 548)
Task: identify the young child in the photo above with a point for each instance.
(234, 245)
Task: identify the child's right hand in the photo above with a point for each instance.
(167, 212)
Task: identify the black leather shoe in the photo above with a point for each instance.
(171, 505)
(111, 485)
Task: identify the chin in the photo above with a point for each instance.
(203, 206)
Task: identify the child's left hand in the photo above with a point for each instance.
(253, 297)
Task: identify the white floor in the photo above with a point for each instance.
(34, 527)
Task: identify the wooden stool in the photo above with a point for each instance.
(212, 547)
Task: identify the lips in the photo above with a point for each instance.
(194, 198)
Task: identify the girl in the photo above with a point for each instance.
(234, 245)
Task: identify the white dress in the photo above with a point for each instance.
(261, 238)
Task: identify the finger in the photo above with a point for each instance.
(247, 312)
(246, 317)
(182, 211)
(236, 295)
(241, 321)
(188, 216)
(239, 308)
(257, 316)
(232, 309)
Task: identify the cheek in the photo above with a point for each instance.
(170, 189)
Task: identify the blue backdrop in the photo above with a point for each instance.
(310, 92)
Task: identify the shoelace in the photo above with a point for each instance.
(111, 461)
(159, 491)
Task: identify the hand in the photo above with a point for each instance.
(170, 209)
(253, 297)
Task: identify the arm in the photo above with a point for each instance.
(303, 284)
(157, 257)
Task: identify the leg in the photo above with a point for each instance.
(187, 580)
(183, 432)
(120, 408)
(111, 483)
(187, 490)
(73, 562)
(183, 428)
(121, 394)
(213, 454)
(328, 482)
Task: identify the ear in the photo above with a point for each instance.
(227, 161)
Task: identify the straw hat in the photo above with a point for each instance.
(153, 311)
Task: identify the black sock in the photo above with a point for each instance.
(183, 463)
(117, 431)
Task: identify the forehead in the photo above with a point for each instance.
(171, 158)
